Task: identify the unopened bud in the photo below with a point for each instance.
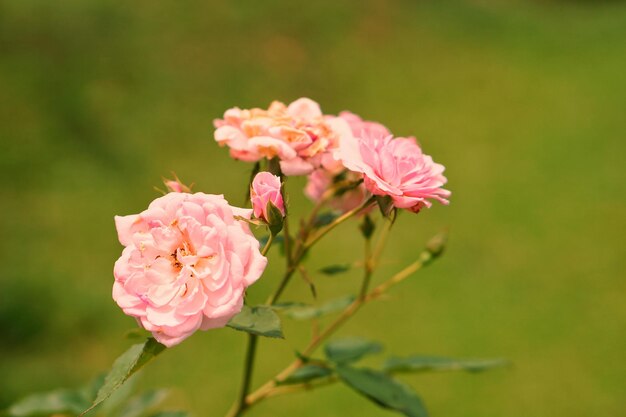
(176, 185)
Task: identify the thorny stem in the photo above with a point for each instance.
(269, 388)
(304, 246)
(294, 256)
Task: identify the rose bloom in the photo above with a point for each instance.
(362, 127)
(322, 179)
(299, 135)
(186, 264)
(396, 168)
(265, 189)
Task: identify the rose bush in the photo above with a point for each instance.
(189, 258)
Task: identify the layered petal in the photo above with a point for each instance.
(186, 264)
(395, 168)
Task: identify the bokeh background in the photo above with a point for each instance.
(524, 102)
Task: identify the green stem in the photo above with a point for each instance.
(268, 244)
(382, 241)
(273, 299)
(286, 234)
(288, 242)
(240, 406)
(265, 390)
(293, 261)
(323, 231)
(369, 268)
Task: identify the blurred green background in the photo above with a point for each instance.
(524, 102)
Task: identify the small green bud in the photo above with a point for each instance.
(367, 227)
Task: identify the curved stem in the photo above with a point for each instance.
(293, 260)
(268, 244)
(302, 248)
(323, 231)
(267, 388)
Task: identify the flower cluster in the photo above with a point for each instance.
(328, 148)
(299, 135)
(189, 258)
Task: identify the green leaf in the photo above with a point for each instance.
(311, 312)
(438, 363)
(137, 334)
(288, 305)
(303, 358)
(325, 219)
(259, 320)
(335, 269)
(307, 373)
(383, 390)
(137, 406)
(385, 204)
(350, 349)
(90, 391)
(125, 366)
(114, 403)
(275, 218)
(61, 401)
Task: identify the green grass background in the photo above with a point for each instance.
(524, 102)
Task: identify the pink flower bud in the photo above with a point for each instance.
(265, 189)
(176, 185)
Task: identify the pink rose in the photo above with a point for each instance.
(298, 134)
(265, 189)
(185, 265)
(397, 168)
(362, 127)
